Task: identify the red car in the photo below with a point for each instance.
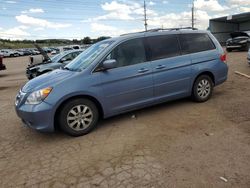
(2, 66)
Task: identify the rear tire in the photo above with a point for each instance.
(202, 88)
(229, 50)
(78, 117)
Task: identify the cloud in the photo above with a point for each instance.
(239, 2)
(165, 2)
(33, 10)
(182, 19)
(122, 11)
(31, 21)
(15, 33)
(209, 5)
(244, 9)
(11, 2)
(151, 3)
(39, 29)
(107, 30)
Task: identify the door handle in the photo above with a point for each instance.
(160, 67)
(142, 70)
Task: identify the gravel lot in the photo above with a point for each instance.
(176, 144)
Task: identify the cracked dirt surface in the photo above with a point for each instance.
(175, 144)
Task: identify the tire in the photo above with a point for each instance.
(73, 119)
(202, 88)
(11, 55)
(229, 50)
(247, 46)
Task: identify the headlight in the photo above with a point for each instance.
(38, 96)
(243, 41)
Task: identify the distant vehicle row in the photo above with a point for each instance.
(19, 52)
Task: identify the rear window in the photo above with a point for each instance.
(164, 46)
(195, 42)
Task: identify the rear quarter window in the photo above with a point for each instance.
(195, 42)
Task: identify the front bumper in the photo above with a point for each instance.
(31, 73)
(39, 117)
(236, 45)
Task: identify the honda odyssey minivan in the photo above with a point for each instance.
(121, 74)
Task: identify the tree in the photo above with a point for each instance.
(86, 40)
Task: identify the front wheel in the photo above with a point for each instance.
(202, 88)
(78, 117)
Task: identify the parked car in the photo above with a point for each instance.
(238, 41)
(55, 62)
(9, 53)
(121, 74)
(248, 56)
(2, 66)
(20, 52)
(26, 52)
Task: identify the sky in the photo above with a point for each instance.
(76, 19)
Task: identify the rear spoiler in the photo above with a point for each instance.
(44, 54)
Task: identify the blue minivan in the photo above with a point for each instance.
(121, 74)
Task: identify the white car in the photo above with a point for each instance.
(248, 56)
(9, 53)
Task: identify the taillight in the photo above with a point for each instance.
(223, 58)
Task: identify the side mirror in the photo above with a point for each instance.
(109, 64)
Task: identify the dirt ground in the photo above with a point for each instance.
(176, 144)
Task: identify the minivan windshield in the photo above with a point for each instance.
(88, 56)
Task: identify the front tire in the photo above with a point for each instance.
(202, 88)
(78, 117)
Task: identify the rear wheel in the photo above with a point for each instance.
(78, 117)
(202, 88)
(229, 50)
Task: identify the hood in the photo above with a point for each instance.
(35, 65)
(239, 34)
(47, 80)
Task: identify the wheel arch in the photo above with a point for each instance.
(208, 73)
(89, 97)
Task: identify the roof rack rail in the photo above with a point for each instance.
(171, 29)
(161, 29)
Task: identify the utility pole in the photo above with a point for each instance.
(193, 15)
(145, 17)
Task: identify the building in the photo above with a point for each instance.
(223, 26)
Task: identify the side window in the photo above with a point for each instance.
(164, 46)
(129, 53)
(195, 42)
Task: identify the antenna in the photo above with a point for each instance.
(145, 16)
